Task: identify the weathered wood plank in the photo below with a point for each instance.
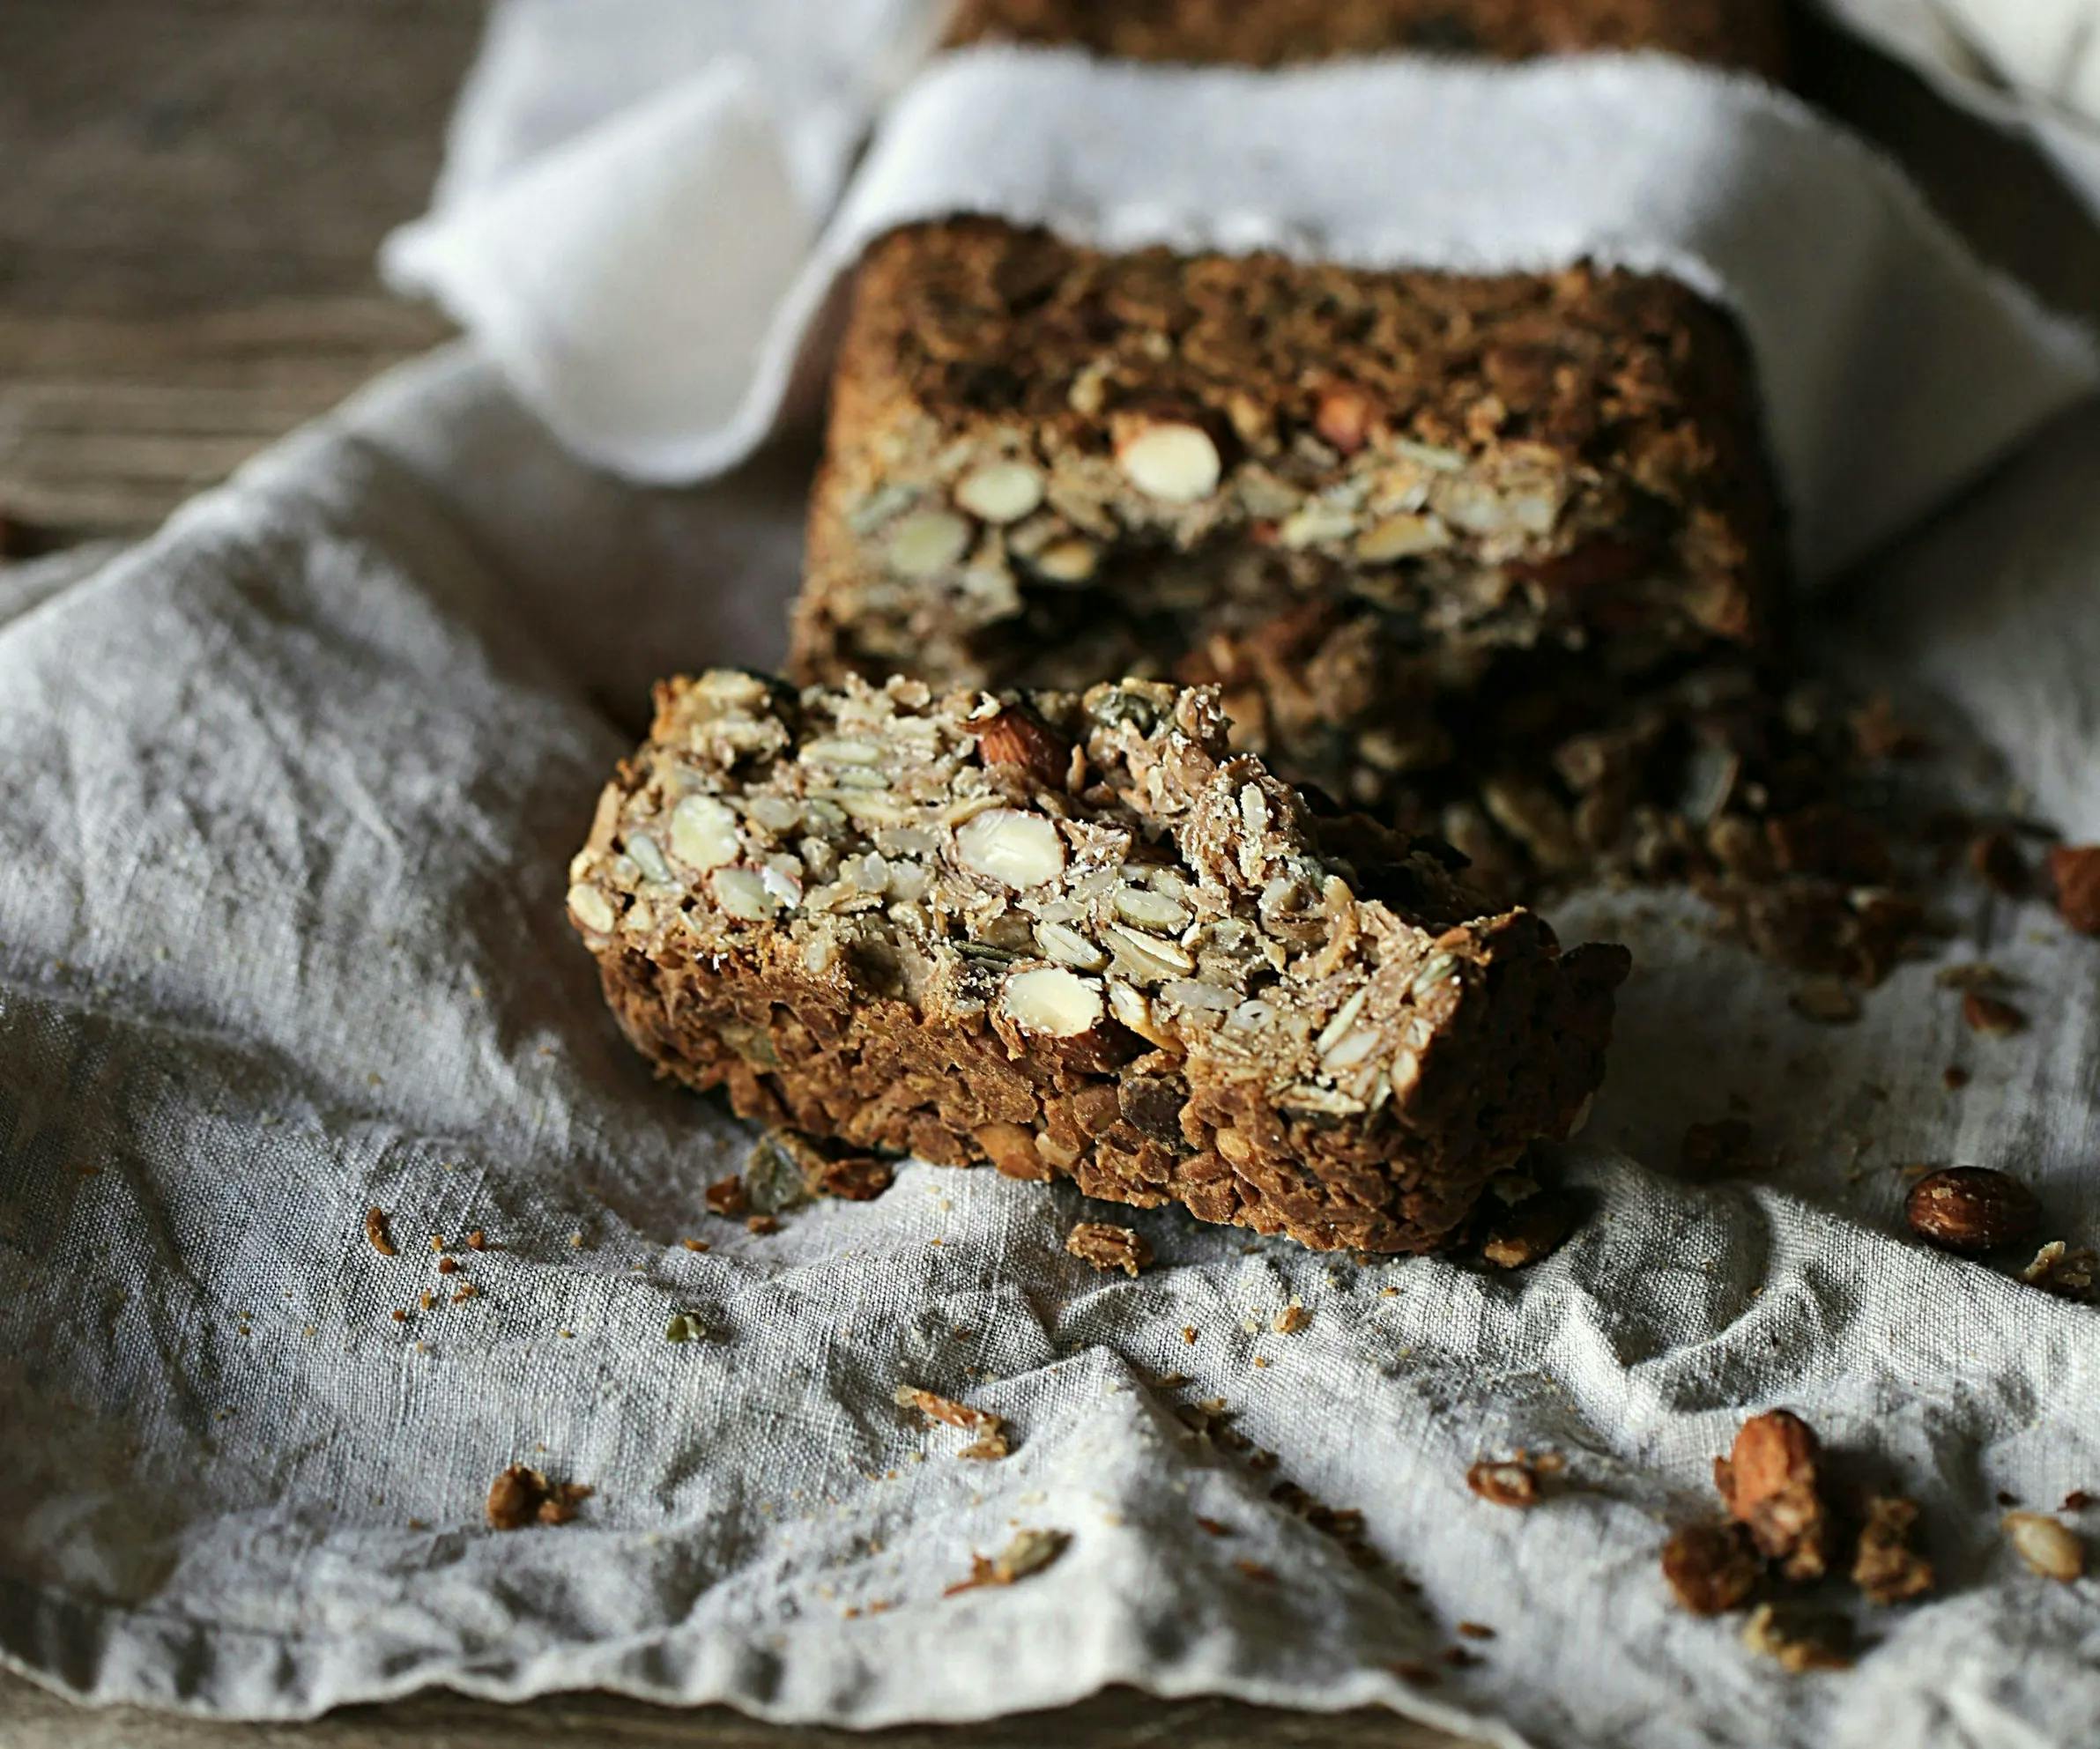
(196, 190)
(192, 154)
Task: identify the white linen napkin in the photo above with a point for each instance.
(2030, 67)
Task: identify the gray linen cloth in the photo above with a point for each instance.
(287, 801)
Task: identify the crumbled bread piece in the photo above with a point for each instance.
(1800, 1641)
(1885, 1566)
(1029, 1551)
(1987, 1014)
(991, 1444)
(2074, 869)
(1109, 1247)
(522, 1496)
(1711, 1568)
(2068, 1273)
(1533, 1230)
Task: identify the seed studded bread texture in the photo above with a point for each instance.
(1748, 33)
(1341, 496)
(1076, 936)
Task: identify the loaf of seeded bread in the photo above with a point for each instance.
(1078, 936)
(1372, 508)
(1341, 496)
(1269, 33)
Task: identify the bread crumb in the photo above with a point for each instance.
(1800, 1642)
(522, 1496)
(1885, 1566)
(1109, 1247)
(1029, 1551)
(1987, 1014)
(991, 1444)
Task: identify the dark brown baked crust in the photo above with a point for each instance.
(1078, 937)
(1270, 32)
(1386, 482)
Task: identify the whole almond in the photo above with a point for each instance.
(1771, 1482)
(1774, 1451)
(1019, 737)
(1972, 1209)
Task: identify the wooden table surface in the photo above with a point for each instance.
(195, 192)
